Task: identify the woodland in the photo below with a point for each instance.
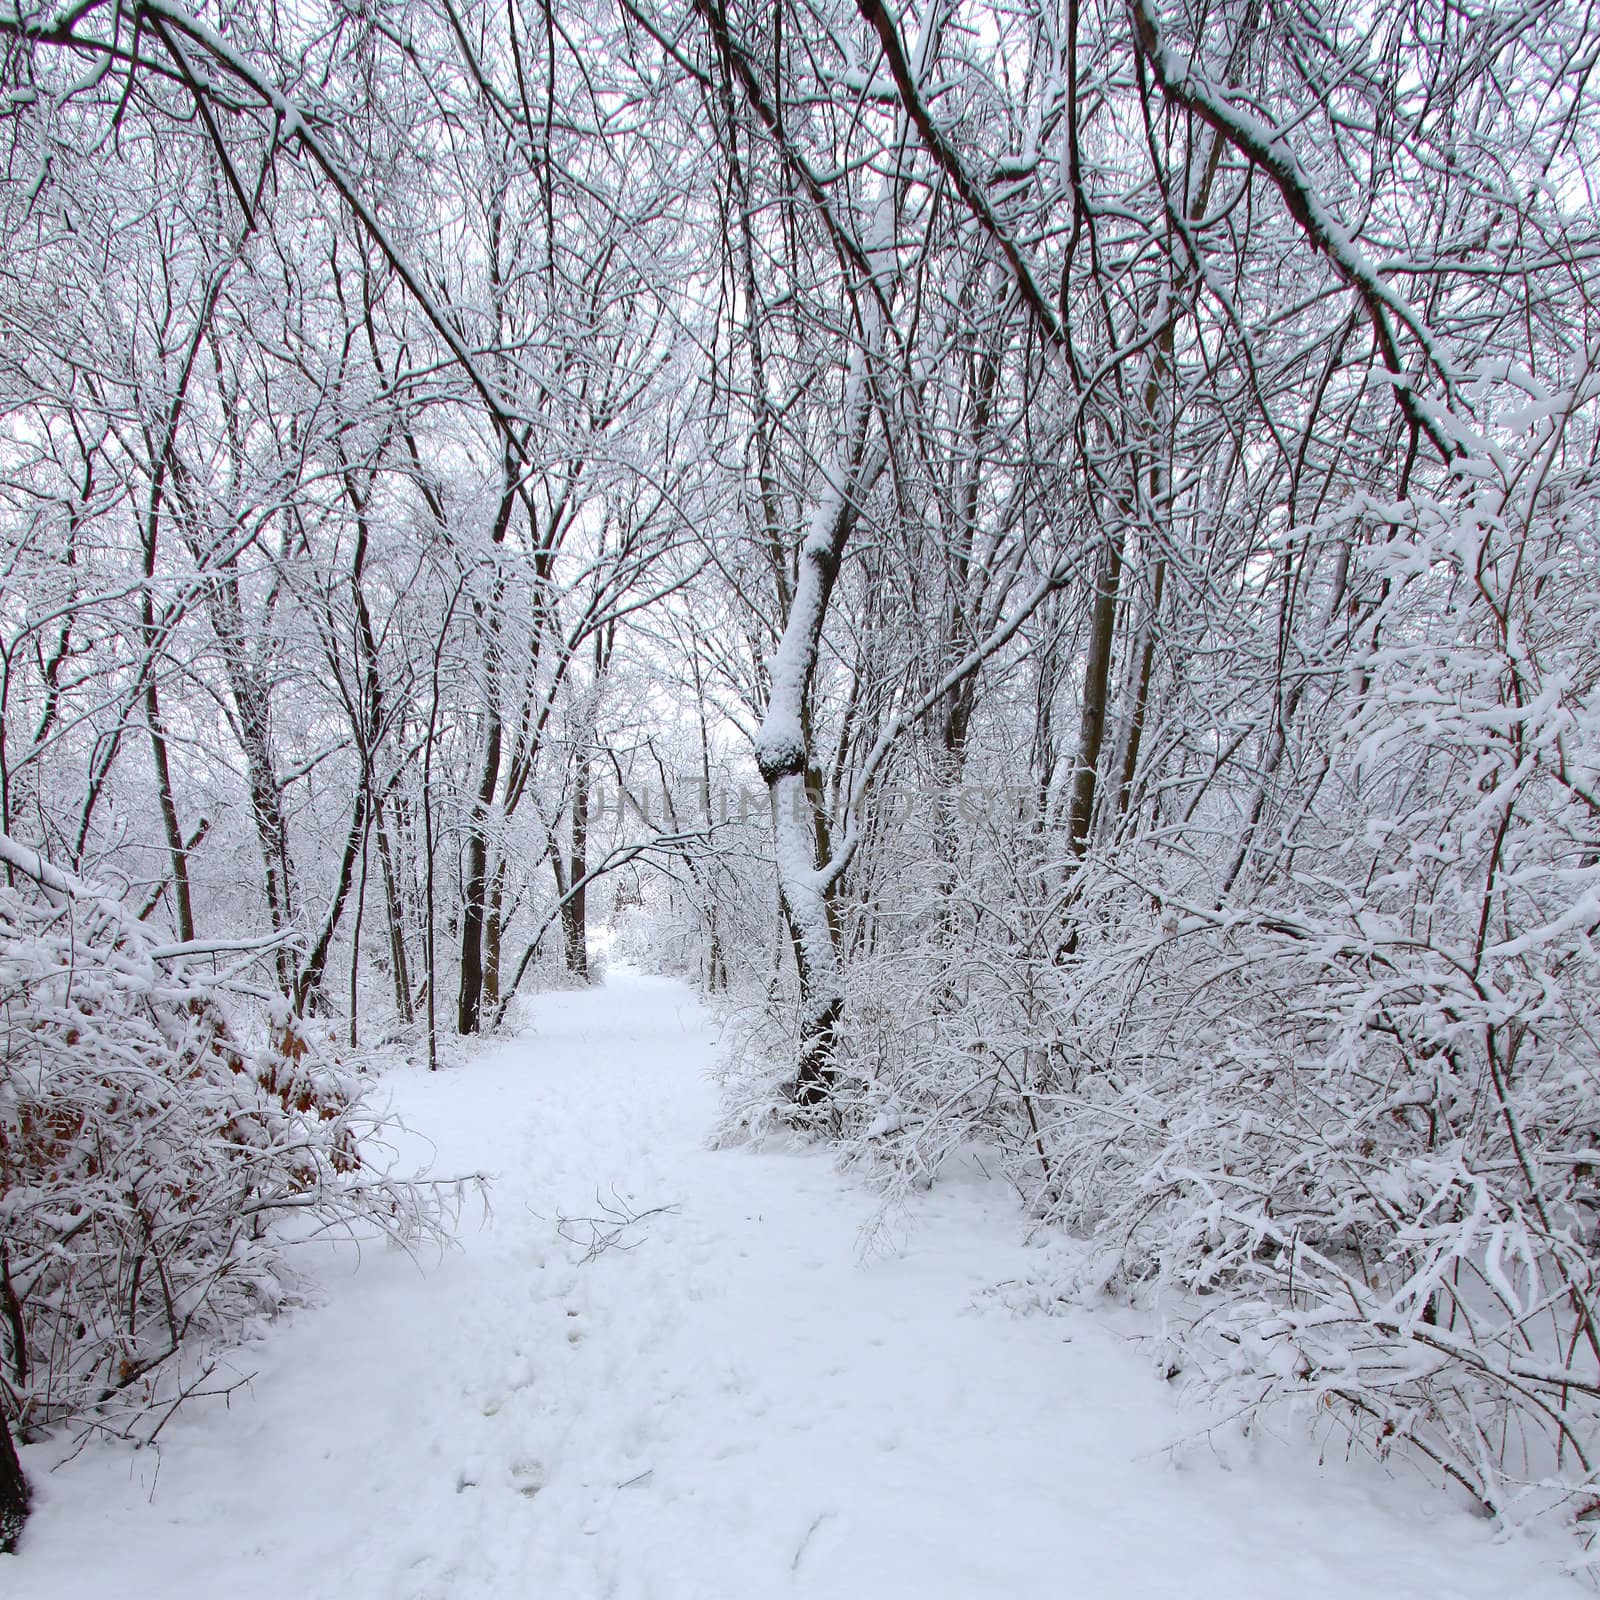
(1045, 553)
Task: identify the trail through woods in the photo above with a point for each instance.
(732, 1401)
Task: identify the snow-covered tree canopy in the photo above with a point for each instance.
(1053, 548)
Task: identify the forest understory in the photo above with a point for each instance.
(654, 1371)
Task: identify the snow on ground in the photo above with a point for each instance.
(741, 1405)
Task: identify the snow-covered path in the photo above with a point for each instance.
(737, 1407)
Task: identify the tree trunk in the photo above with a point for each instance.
(266, 808)
(252, 703)
(475, 889)
(14, 1492)
(165, 800)
(1096, 690)
(575, 907)
(169, 812)
(1141, 689)
(783, 743)
(494, 928)
(474, 895)
(716, 961)
(397, 928)
(308, 982)
(809, 914)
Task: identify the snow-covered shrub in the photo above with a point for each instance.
(1359, 1097)
(1316, 1059)
(148, 1147)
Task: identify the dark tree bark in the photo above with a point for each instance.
(1096, 691)
(253, 726)
(494, 937)
(475, 885)
(575, 906)
(14, 1492)
(153, 630)
(308, 981)
(400, 964)
(474, 895)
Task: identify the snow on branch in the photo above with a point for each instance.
(149, 1128)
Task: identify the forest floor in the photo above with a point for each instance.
(733, 1400)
